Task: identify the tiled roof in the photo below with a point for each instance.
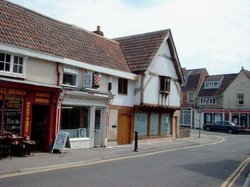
(25, 28)
(140, 49)
(226, 81)
(193, 78)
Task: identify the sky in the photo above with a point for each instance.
(211, 34)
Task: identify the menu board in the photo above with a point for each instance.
(61, 139)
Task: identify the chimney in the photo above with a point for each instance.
(98, 31)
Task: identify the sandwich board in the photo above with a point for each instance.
(62, 140)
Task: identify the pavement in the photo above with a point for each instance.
(71, 158)
(47, 161)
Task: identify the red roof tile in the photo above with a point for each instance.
(140, 49)
(25, 28)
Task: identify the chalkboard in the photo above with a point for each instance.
(61, 141)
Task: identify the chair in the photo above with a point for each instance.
(5, 147)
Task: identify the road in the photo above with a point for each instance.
(206, 166)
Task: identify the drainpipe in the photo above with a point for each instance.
(58, 74)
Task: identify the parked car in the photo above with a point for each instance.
(225, 126)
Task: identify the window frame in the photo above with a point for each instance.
(69, 70)
(193, 98)
(239, 99)
(122, 86)
(21, 62)
(165, 84)
(211, 84)
(211, 101)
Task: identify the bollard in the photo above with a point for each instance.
(136, 142)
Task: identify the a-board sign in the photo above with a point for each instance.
(62, 140)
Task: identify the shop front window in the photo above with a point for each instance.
(75, 121)
(165, 124)
(235, 118)
(12, 115)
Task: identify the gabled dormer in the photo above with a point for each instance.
(213, 82)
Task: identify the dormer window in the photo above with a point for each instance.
(211, 85)
(165, 84)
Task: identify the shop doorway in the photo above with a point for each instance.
(40, 126)
(97, 139)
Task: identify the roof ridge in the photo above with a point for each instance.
(142, 34)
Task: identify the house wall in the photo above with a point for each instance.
(42, 71)
(161, 66)
(122, 100)
(240, 85)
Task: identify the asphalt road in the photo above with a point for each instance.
(206, 166)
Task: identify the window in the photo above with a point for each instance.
(191, 97)
(211, 101)
(240, 99)
(203, 101)
(185, 117)
(18, 64)
(122, 86)
(211, 85)
(165, 84)
(11, 64)
(70, 76)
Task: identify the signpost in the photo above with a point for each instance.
(62, 139)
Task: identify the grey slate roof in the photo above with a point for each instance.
(226, 81)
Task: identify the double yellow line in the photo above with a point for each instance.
(236, 174)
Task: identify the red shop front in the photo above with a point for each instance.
(29, 110)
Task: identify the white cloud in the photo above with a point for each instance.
(207, 33)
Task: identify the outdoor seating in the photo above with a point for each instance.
(5, 147)
(28, 147)
(10, 145)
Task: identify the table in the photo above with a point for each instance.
(28, 147)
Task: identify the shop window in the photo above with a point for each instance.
(165, 124)
(12, 115)
(165, 84)
(122, 86)
(154, 124)
(75, 121)
(240, 99)
(70, 76)
(141, 123)
(11, 64)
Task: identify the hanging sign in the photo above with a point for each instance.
(62, 141)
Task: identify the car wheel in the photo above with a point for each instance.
(230, 131)
(207, 128)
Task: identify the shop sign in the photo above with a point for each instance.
(13, 103)
(41, 94)
(12, 91)
(27, 118)
(42, 100)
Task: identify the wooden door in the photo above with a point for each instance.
(124, 129)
